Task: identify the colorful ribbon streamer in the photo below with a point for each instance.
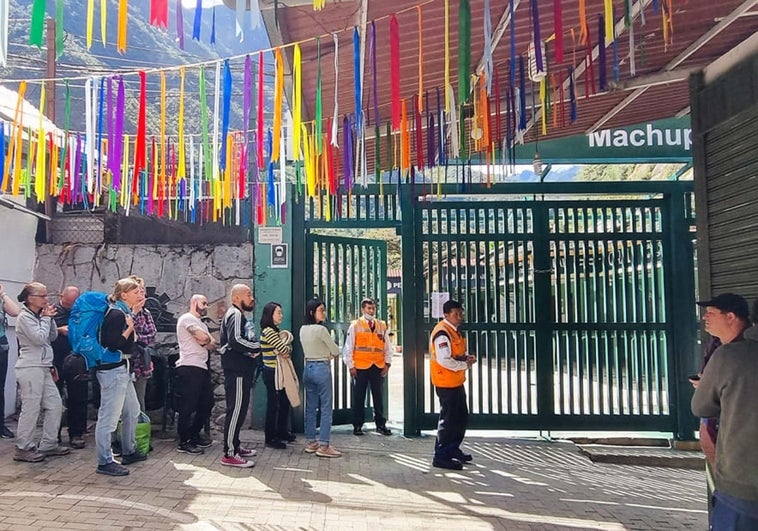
(159, 13)
(464, 51)
(123, 17)
(38, 22)
(395, 71)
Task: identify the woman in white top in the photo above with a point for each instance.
(319, 349)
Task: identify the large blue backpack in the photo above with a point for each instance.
(84, 323)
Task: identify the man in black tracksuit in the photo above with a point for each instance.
(240, 355)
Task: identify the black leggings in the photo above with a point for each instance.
(277, 409)
(3, 374)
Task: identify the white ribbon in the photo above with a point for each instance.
(4, 32)
(255, 14)
(89, 130)
(452, 119)
(336, 90)
(216, 98)
(239, 17)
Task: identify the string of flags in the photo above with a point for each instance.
(230, 176)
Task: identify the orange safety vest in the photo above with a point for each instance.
(369, 346)
(442, 376)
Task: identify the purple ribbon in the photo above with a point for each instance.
(179, 24)
(111, 123)
(513, 44)
(601, 55)
(522, 94)
(271, 191)
(77, 195)
(572, 95)
(536, 32)
(119, 133)
(347, 152)
(357, 78)
(99, 146)
(248, 91)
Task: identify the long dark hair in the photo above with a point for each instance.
(310, 310)
(267, 317)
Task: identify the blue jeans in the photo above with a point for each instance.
(733, 514)
(317, 378)
(117, 399)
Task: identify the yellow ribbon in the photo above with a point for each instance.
(181, 171)
(297, 101)
(608, 4)
(310, 178)
(278, 97)
(53, 177)
(90, 19)
(39, 180)
(12, 134)
(543, 91)
(17, 163)
(125, 187)
(103, 20)
(122, 17)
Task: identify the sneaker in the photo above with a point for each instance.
(112, 469)
(288, 437)
(276, 444)
(58, 450)
(189, 448)
(77, 443)
(312, 447)
(5, 433)
(30, 456)
(201, 441)
(246, 452)
(384, 430)
(328, 451)
(358, 431)
(236, 461)
(448, 464)
(135, 457)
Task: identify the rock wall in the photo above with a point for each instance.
(172, 275)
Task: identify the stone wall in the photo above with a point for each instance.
(172, 275)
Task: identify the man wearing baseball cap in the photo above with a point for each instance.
(727, 390)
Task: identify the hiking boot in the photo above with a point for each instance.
(201, 441)
(276, 444)
(133, 458)
(58, 450)
(384, 430)
(312, 447)
(448, 464)
(246, 452)
(328, 451)
(358, 431)
(189, 448)
(5, 433)
(77, 443)
(112, 469)
(236, 461)
(30, 456)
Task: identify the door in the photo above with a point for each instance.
(343, 271)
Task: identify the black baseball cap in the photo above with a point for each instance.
(729, 302)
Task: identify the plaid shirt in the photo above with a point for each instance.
(144, 326)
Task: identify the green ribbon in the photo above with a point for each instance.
(38, 22)
(59, 33)
(464, 50)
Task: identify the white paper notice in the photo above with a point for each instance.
(438, 299)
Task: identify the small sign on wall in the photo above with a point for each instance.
(279, 256)
(270, 235)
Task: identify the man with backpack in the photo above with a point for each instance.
(72, 371)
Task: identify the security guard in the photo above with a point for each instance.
(368, 355)
(448, 364)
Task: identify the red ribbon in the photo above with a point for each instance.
(139, 152)
(260, 112)
(159, 13)
(395, 71)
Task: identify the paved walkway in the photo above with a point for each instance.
(379, 483)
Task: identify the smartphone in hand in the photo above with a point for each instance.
(693, 377)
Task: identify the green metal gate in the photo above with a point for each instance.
(343, 271)
(569, 301)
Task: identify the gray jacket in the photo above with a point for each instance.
(34, 335)
(728, 390)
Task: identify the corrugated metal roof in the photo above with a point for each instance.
(703, 30)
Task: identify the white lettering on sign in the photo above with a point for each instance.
(642, 137)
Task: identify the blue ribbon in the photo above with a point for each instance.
(271, 192)
(213, 25)
(198, 20)
(227, 100)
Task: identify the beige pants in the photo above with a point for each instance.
(38, 391)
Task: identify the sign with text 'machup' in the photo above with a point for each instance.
(668, 140)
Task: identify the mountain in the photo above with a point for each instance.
(148, 47)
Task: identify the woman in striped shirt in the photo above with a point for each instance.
(275, 343)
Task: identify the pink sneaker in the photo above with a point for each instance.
(311, 447)
(246, 452)
(328, 451)
(237, 461)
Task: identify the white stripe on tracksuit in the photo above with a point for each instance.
(235, 415)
